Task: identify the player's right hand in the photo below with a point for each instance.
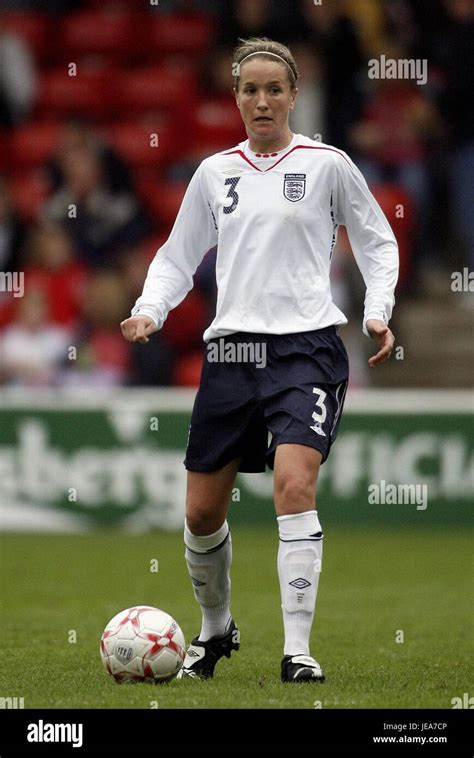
(138, 328)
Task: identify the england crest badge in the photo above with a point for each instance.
(294, 186)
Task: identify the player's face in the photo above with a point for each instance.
(265, 99)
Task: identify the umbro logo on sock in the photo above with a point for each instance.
(300, 583)
(197, 583)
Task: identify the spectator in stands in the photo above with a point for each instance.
(12, 231)
(392, 140)
(310, 117)
(217, 74)
(102, 358)
(46, 6)
(333, 35)
(458, 108)
(251, 18)
(32, 349)
(101, 223)
(18, 81)
(76, 134)
(368, 19)
(216, 121)
(52, 267)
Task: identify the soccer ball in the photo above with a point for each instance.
(142, 644)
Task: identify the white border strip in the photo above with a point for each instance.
(410, 401)
(180, 400)
(74, 398)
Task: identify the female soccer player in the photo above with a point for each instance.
(275, 361)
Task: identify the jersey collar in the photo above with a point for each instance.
(246, 154)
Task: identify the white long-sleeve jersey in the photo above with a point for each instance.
(274, 220)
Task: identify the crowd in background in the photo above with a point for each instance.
(87, 196)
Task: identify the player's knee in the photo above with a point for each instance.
(201, 520)
(294, 494)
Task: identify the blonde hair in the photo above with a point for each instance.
(263, 46)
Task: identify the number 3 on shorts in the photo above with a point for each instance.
(319, 415)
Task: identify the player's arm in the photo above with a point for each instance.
(375, 250)
(170, 276)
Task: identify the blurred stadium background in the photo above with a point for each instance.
(106, 108)
(87, 85)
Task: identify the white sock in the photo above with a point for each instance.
(299, 565)
(209, 558)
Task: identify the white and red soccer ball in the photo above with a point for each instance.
(142, 644)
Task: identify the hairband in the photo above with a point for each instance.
(265, 52)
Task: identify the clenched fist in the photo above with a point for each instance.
(138, 328)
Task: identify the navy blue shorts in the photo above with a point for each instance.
(260, 390)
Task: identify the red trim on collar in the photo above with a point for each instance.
(296, 147)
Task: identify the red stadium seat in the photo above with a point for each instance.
(116, 34)
(29, 191)
(4, 133)
(62, 95)
(152, 244)
(155, 88)
(133, 142)
(163, 200)
(187, 371)
(186, 323)
(146, 183)
(33, 144)
(217, 124)
(397, 205)
(130, 5)
(189, 33)
(34, 28)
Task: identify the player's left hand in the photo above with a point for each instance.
(384, 340)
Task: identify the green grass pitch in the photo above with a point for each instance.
(373, 583)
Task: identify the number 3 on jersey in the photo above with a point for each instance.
(232, 194)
